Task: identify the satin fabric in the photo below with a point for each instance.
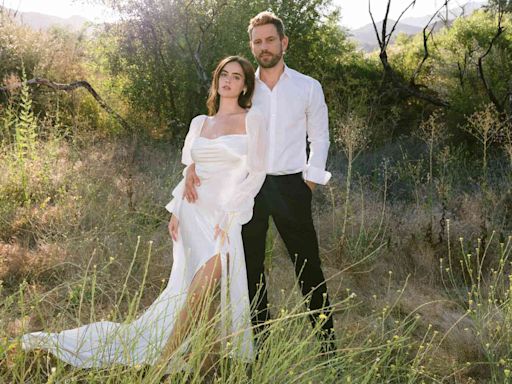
(231, 169)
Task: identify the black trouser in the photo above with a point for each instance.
(287, 199)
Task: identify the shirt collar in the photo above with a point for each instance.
(287, 72)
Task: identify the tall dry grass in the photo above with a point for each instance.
(420, 287)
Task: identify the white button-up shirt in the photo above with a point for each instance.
(295, 109)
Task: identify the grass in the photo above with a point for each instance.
(420, 282)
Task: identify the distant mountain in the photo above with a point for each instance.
(365, 36)
(453, 13)
(366, 39)
(40, 21)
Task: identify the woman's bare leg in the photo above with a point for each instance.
(198, 299)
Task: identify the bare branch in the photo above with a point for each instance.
(412, 4)
(71, 87)
(463, 69)
(385, 38)
(490, 93)
(410, 89)
(426, 36)
(374, 24)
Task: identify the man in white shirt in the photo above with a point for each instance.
(295, 109)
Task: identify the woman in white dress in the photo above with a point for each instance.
(227, 149)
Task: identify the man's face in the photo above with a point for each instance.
(266, 46)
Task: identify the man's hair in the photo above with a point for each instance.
(264, 18)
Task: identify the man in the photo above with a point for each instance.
(295, 109)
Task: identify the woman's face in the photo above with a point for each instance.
(231, 80)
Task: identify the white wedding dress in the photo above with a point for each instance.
(232, 170)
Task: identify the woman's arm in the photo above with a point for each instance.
(186, 158)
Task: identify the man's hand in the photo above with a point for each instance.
(311, 185)
(191, 182)
(173, 227)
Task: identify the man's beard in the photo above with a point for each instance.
(273, 61)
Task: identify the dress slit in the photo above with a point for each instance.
(223, 166)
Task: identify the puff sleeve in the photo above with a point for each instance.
(239, 207)
(186, 158)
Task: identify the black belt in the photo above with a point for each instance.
(291, 175)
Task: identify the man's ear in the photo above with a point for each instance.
(284, 43)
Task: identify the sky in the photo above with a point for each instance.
(62, 8)
(354, 12)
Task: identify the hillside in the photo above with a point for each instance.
(365, 36)
(40, 21)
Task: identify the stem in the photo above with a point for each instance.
(347, 195)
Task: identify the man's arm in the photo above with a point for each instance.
(318, 137)
(191, 182)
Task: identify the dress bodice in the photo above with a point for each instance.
(225, 153)
(220, 165)
(231, 169)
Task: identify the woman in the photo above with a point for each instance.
(227, 150)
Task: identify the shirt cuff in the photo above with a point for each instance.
(316, 175)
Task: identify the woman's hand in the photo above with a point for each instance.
(218, 231)
(173, 227)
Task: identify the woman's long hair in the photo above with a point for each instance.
(244, 100)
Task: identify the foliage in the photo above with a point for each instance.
(452, 69)
(167, 50)
(25, 125)
(505, 5)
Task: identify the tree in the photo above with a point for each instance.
(167, 49)
(410, 88)
(497, 5)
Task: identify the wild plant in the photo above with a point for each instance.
(351, 135)
(485, 126)
(411, 171)
(478, 277)
(26, 124)
(383, 349)
(433, 132)
(21, 120)
(8, 123)
(507, 143)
